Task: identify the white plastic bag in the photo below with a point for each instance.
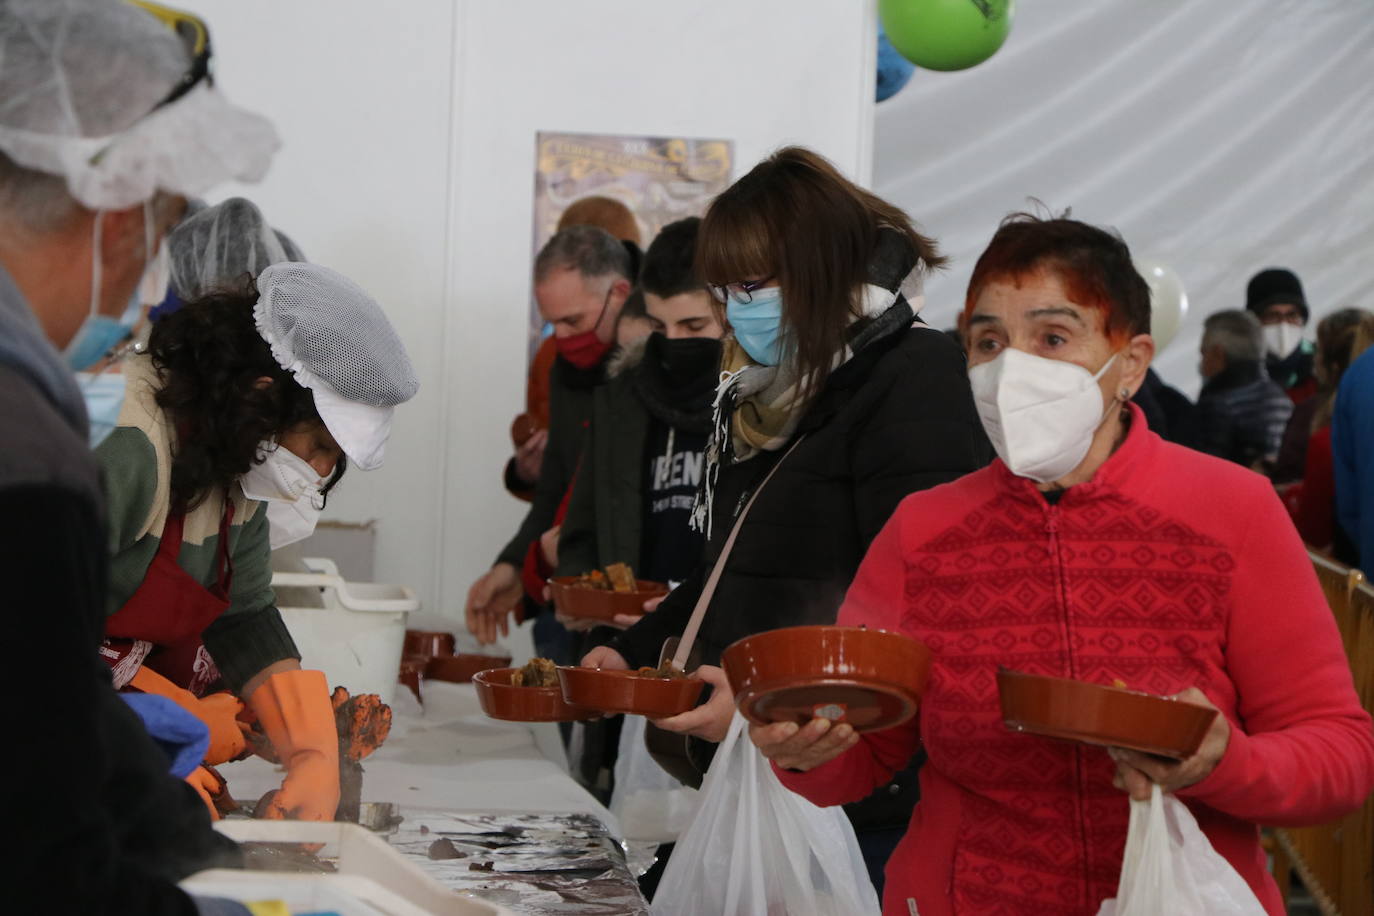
(756, 849)
(652, 806)
(1170, 867)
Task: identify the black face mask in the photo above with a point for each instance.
(686, 364)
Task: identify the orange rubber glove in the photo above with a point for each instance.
(294, 710)
(219, 712)
(207, 786)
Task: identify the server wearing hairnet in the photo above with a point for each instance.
(108, 122)
(211, 248)
(244, 395)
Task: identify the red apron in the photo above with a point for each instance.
(161, 623)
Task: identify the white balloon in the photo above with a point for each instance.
(1168, 300)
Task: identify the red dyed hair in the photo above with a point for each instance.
(1094, 265)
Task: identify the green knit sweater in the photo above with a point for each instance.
(136, 459)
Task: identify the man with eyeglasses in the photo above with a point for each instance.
(108, 122)
(582, 278)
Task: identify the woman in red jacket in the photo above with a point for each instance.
(1093, 550)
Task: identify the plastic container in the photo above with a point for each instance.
(356, 637)
(372, 878)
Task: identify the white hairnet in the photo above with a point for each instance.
(80, 87)
(221, 245)
(335, 340)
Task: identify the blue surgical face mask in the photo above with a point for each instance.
(104, 397)
(758, 324)
(99, 334)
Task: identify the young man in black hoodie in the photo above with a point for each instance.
(643, 458)
(643, 455)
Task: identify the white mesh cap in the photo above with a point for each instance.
(336, 341)
(219, 246)
(80, 85)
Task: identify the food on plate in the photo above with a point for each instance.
(665, 672)
(622, 577)
(538, 672)
(618, 577)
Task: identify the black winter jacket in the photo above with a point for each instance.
(897, 418)
(570, 408)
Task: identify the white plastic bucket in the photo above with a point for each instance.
(356, 638)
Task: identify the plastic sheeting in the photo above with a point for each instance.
(1219, 138)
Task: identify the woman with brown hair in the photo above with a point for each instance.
(821, 282)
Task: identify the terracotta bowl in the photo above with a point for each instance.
(500, 700)
(461, 668)
(428, 643)
(628, 692)
(601, 604)
(412, 669)
(871, 679)
(522, 428)
(1096, 714)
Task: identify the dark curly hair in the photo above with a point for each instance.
(210, 358)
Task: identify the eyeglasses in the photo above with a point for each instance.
(743, 292)
(195, 35)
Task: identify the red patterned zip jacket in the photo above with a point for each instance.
(1170, 569)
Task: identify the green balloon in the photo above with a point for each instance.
(946, 34)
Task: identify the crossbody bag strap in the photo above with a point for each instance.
(708, 591)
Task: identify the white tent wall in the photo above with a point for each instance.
(408, 163)
(1219, 138)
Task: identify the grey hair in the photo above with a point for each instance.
(32, 201)
(36, 203)
(589, 250)
(1238, 334)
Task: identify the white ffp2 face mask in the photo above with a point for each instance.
(1282, 339)
(1040, 413)
(291, 489)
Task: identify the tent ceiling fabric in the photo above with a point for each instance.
(1219, 138)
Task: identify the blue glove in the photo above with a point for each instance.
(182, 736)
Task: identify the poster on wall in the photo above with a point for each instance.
(661, 180)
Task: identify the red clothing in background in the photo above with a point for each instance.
(1170, 569)
(1312, 501)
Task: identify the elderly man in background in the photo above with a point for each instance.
(107, 122)
(1241, 412)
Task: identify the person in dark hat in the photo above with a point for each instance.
(1275, 296)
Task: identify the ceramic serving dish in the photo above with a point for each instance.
(461, 668)
(601, 604)
(412, 670)
(429, 643)
(629, 692)
(522, 429)
(1097, 714)
(501, 700)
(871, 679)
